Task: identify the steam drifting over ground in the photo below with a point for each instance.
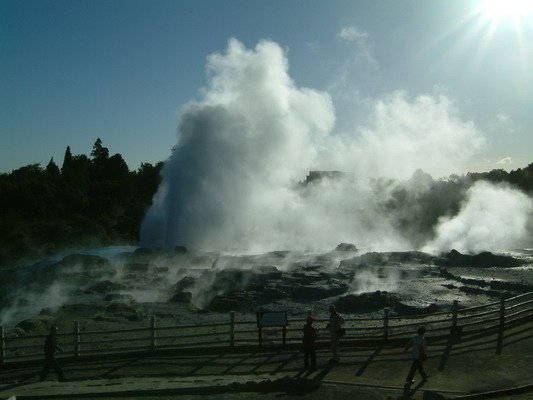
(231, 182)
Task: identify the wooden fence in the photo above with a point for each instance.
(491, 318)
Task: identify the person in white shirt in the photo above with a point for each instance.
(419, 351)
(335, 323)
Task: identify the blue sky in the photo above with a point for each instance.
(72, 71)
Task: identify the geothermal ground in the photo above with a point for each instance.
(117, 288)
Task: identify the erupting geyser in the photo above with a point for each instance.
(232, 181)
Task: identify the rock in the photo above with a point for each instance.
(477, 290)
(106, 318)
(116, 307)
(510, 286)
(318, 291)
(267, 271)
(19, 332)
(82, 268)
(136, 267)
(271, 293)
(181, 297)
(346, 247)
(365, 302)
(184, 283)
(485, 259)
(395, 257)
(371, 302)
(118, 297)
(231, 279)
(238, 300)
(405, 309)
(80, 310)
(304, 277)
(104, 287)
(46, 311)
(132, 316)
(35, 325)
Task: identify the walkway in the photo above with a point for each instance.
(467, 366)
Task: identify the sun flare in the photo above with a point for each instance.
(502, 9)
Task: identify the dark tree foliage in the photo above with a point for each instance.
(53, 170)
(94, 201)
(99, 153)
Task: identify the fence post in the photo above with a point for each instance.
(152, 333)
(502, 312)
(76, 339)
(502, 324)
(284, 335)
(453, 329)
(308, 313)
(386, 323)
(2, 345)
(232, 328)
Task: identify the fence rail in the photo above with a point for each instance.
(235, 333)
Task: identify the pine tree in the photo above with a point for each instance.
(99, 153)
(67, 162)
(52, 169)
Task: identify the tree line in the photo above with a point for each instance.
(89, 201)
(96, 200)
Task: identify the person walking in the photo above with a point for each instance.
(309, 338)
(335, 331)
(50, 347)
(419, 351)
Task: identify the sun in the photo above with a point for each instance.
(497, 10)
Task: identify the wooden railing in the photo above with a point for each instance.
(493, 317)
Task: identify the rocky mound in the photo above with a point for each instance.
(485, 259)
(371, 302)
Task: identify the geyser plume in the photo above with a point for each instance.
(239, 152)
(231, 182)
(492, 217)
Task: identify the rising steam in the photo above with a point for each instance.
(231, 182)
(493, 217)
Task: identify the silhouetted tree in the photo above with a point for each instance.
(67, 161)
(52, 169)
(99, 152)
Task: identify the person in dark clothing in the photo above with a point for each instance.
(310, 335)
(419, 351)
(50, 347)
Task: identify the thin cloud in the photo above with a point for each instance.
(502, 117)
(505, 161)
(352, 34)
(314, 46)
(362, 40)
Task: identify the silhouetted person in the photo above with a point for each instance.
(310, 335)
(50, 347)
(335, 324)
(419, 351)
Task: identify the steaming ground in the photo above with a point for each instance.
(117, 288)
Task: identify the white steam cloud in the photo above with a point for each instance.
(231, 181)
(491, 218)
